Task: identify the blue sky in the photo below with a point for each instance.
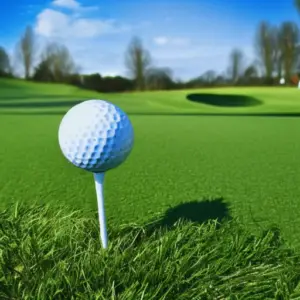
(190, 36)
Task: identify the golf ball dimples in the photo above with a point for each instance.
(96, 135)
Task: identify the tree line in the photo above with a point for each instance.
(277, 50)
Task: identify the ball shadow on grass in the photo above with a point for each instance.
(224, 100)
(198, 212)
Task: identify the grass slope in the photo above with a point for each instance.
(20, 96)
(251, 163)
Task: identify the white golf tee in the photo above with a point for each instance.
(99, 179)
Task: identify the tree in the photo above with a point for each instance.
(236, 65)
(56, 64)
(250, 72)
(27, 51)
(5, 68)
(289, 39)
(137, 60)
(266, 48)
(92, 82)
(251, 75)
(297, 5)
(220, 79)
(159, 78)
(110, 84)
(277, 53)
(43, 73)
(209, 77)
(107, 84)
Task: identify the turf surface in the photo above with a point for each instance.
(49, 253)
(180, 155)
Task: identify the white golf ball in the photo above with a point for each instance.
(96, 136)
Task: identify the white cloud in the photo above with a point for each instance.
(160, 40)
(55, 24)
(163, 40)
(72, 4)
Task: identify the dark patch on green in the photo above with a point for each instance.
(224, 100)
(197, 211)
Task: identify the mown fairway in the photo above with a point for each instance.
(180, 155)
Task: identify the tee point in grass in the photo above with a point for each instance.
(96, 136)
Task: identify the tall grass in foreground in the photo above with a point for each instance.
(46, 253)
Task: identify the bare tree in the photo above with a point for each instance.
(236, 65)
(60, 61)
(266, 48)
(250, 72)
(27, 51)
(209, 76)
(278, 67)
(137, 60)
(56, 64)
(289, 38)
(158, 78)
(5, 67)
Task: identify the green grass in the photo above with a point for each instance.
(190, 160)
(251, 162)
(23, 97)
(55, 254)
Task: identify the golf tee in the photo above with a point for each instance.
(99, 179)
